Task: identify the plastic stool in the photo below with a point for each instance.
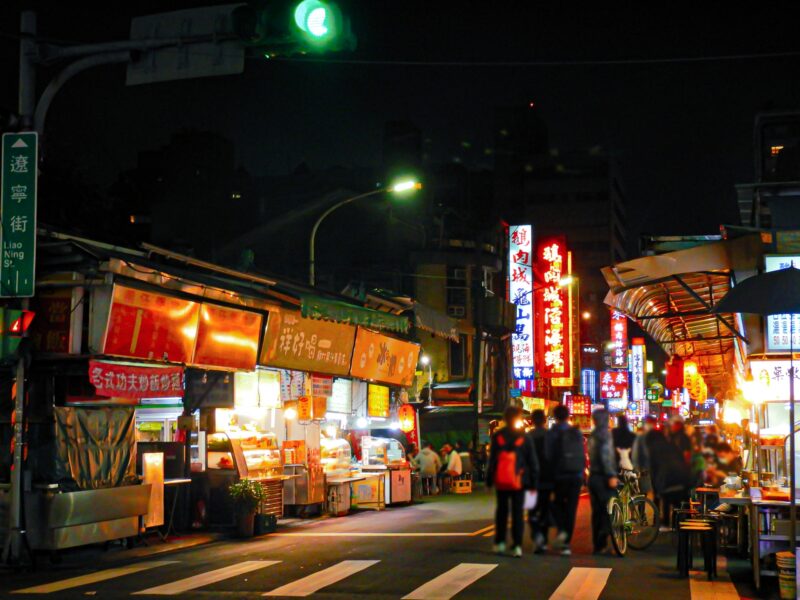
(707, 532)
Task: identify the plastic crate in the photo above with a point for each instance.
(462, 486)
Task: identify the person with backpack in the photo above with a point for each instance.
(513, 470)
(539, 516)
(602, 478)
(565, 451)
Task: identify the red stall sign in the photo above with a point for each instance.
(149, 325)
(579, 404)
(227, 337)
(124, 381)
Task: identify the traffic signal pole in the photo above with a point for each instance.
(16, 541)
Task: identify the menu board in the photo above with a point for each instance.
(293, 385)
(149, 325)
(340, 400)
(292, 342)
(227, 337)
(377, 401)
(378, 357)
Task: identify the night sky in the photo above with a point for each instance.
(682, 132)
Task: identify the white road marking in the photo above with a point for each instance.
(203, 579)
(448, 584)
(719, 589)
(316, 581)
(72, 582)
(582, 583)
(368, 534)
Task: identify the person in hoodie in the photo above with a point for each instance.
(513, 470)
(602, 478)
(429, 465)
(539, 516)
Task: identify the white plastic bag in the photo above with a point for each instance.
(530, 500)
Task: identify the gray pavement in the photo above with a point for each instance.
(435, 550)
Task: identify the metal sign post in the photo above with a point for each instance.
(18, 214)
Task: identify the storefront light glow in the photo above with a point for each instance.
(361, 422)
(395, 425)
(290, 414)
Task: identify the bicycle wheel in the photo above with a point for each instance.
(619, 537)
(644, 522)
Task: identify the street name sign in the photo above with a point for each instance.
(18, 214)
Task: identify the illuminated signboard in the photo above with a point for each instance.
(589, 383)
(637, 369)
(553, 309)
(613, 384)
(579, 404)
(619, 339)
(378, 401)
(778, 326)
(520, 289)
(771, 379)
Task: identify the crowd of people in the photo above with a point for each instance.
(437, 469)
(544, 470)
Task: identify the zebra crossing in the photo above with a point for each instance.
(441, 587)
(579, 583)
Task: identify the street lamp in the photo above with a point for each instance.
(397, 188)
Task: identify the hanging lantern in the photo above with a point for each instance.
(407, 417)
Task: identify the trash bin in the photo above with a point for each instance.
(416, 487)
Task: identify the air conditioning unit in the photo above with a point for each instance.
(456, 311)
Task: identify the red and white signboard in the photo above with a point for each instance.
(553, 310)
(520, 289)
(579, 404)
(637, 369)
(619, 339)
(613, 384)
(124, 381)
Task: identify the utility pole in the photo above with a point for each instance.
(477, 293)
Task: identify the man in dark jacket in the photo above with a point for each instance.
(539, 517)
(513, 469)
(602, 478)
(565, 451)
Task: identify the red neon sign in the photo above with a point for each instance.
(553, 311)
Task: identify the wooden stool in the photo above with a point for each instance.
(707, 532)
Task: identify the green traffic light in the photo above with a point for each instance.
(314, 18)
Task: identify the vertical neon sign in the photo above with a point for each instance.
(520, 290)
(553, 309)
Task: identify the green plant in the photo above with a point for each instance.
(246, 494)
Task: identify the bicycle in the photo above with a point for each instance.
(634, 517)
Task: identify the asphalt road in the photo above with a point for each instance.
(435, 550)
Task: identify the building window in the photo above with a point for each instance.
(458, 358)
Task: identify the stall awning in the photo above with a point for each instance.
(671, 295)
(434, 321)
(314, 307)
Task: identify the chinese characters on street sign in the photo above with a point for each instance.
(520, 289)
(18, 214)
(553, 314)
(619, 339)
(123, 381)
(778, 326)
(613, 384)
(637, 369)
(579, 404)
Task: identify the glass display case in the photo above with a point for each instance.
(386, 452)
(335, 457)
(251, 455)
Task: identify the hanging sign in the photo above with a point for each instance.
(150, 325)
(377, 401)
(227, 338)
(637, 369)
(292, 342)
(304, 408)
(553, 310)
(613, 384)
(779, 326)
(619, 340)
(378, 357)
(520, 290)
(579, 404)
(124, 381)
(321, 385)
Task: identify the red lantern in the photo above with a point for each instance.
(407, 417)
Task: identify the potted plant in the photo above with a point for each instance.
(246, 495)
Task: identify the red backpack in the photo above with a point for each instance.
(507, 475)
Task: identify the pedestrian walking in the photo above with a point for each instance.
(602, 478)
(539, 516)
(670, 474)
(623, 439)
(513, 470)
(565, 449)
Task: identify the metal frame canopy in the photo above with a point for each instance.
(671, 296)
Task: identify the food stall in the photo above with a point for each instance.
(386, 458)
(336, 457)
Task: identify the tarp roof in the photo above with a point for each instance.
(671, 295)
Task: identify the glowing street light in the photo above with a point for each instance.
(404, 185)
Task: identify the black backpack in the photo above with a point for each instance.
(571, 459)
